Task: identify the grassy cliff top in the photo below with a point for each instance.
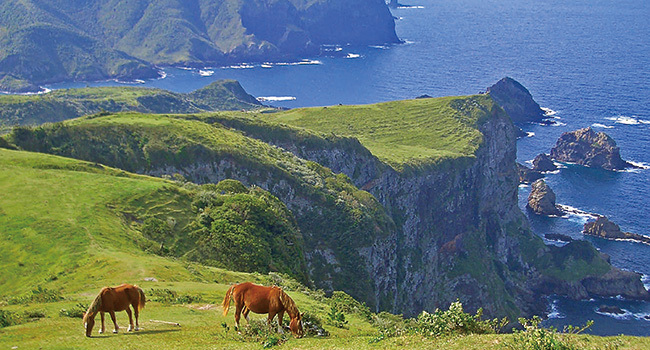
(404, 132)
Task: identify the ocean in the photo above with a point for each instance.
(586, 60)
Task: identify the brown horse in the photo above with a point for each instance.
(111, 299)
(263, 300)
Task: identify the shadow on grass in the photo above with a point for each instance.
(154, 331)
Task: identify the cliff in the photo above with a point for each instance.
(588, 148)
(402, 210)
(53, 41)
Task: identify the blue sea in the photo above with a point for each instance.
(586, 60)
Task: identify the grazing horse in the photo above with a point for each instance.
(262, 300)
(111, 299)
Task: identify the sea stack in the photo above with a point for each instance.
(516, 100)
(604, 228)
(542, 199)
(588, 148)
(543, 163)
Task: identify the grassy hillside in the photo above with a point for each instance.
(71, 103)
(335, 218)
(403, 133)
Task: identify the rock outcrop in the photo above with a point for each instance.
(516, 100)
(604, 228)
(528, 175)
(543, 163)
(542, 199)
(617, 282)
(588, 148)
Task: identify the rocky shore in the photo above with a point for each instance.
(604, 228)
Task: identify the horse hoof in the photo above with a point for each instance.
(115, 331)
(137, 329)
(129, 329)
(101, 332)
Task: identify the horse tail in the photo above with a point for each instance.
(226, 300)
(142, 299)
(94, 306)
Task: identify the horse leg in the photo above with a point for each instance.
(128, 312)
(101, 330)
(269, 319)
(137, 313)
(238, 310)
(280, 316)
(112, 313)
(245, 312)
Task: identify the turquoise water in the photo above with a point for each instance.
(588, 60)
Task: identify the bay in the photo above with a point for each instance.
(588, 60)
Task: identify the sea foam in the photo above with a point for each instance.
(275, 98)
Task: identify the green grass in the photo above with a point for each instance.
(404, 132)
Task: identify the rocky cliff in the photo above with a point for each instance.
(604, 228)
(542, 199)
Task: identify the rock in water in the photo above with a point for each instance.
(611, 310)
(543, 163)
(604, 228)
(516, 100)
(588, 148)
(527, 175)
(542, 199)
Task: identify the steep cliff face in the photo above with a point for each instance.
(516, 100)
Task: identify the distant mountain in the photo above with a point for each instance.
(55, 40)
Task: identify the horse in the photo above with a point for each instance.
(263, 300)
(111, 299)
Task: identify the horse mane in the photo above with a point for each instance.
(289, 304)
(94, 307)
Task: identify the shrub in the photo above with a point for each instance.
(76, 311)
(168, 296)
(38, 295)
(534, 337)
(455, 321)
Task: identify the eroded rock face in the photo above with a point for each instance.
(617, 282)
(542, 199)
(516, 100)
(528, 175)
(588, 148)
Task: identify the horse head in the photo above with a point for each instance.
(89, 323)
(296, 325)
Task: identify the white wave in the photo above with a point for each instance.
(299, 63)
(554, 172)
(598, 125)
(633, 120)
(162, 74)
(554, 311)
(641, 165)
(266, 65)
(241, 66)
(642, 316)
(276, 98)
(139, 81)
(558, 124)
(645, 279)
(43, 90)
(381, 47)
(353, 55)
(576, 215)
(548, 112)
(410, 7)
(206, 73)
(186, 68)
(523, 186)
(530, 134)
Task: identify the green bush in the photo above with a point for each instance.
(455, 321)
(76, 311)
(534, 337)
(168, 296)
(38, 295)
